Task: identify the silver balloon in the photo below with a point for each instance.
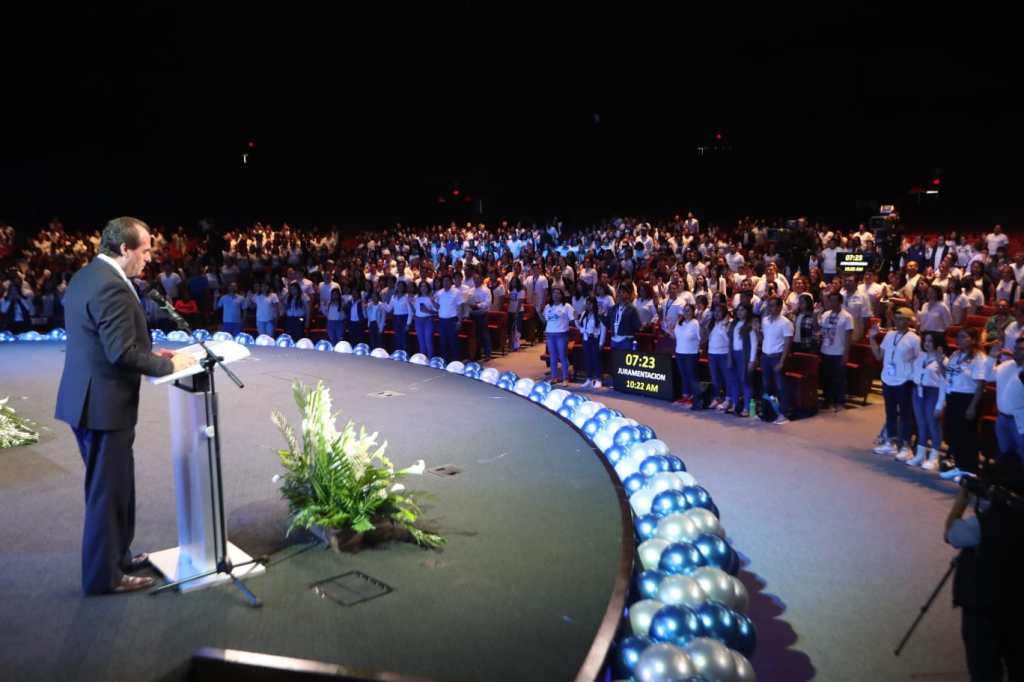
(642, 500)
(640, 615)
(681, 590)
(706, 521)
(740, 597)
(663, 663)
(716, 583)
(650, 553)
(676, 527)
(656, 447)
(744, 671)
(686, 477)
(667, 480)
(711, 659)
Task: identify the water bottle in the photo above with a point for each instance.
(752, 409)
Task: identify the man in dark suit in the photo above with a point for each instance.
(625, 321)
(108, 351)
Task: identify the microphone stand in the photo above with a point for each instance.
(209, 364)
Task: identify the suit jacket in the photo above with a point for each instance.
(108, 350)
(630, 323)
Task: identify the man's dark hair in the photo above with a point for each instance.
(123, 230)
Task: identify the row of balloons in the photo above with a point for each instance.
(686, 619)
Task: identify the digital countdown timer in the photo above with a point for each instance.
(650, 374)
(852, 263)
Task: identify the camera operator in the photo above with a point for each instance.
(987, 585)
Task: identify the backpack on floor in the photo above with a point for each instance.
(768, 408)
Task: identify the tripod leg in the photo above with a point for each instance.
(244, 589)
(927, 605)
(175, 584)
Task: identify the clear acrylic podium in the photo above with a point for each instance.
(197, 484)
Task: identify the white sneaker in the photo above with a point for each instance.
(932, 463)
(885, 449)
(597, 383)
(952, 474)
(588, 383)
(918, 460)
(724, 405)
(714, 404)
(904, 454)
(781, 419)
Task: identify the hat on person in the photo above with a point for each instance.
(905, 311)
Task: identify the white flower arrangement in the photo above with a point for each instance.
(15, 430)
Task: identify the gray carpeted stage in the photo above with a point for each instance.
(520, 591)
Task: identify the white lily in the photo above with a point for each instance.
(396, 488)
(418, 468)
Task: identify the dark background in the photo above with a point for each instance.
(365, 116)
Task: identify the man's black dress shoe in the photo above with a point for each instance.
(138, 562)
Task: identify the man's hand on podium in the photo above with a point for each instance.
(181, 360)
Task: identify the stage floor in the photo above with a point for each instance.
(533, 524)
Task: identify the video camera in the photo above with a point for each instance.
(996, 494)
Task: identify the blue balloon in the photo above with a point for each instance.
(674, 463)
(573, 400)
(472, 375)
(566, 412)
(717, 552)
(681, 558)
(244, 339)
(745, 638)
(200, 335)
(668, 502)
(285, 341)
(676, 625)
(634, 482)
(543, 388)
(655, 464)
(648, 582)
(57, 334)
(437, 362)
(324, 346)
(511, 376)
(158, 336)
(400, 356)
(505, 384)
(470, 366)
(646, 526)
(696, 496)
(603, 415)
(646, 433)
(718, 621)
(362, 352)
(615, 413)
(6, 337)
(627, 654)
(364, 346)
(30, 336)
(626, 436)
(615, 454)
(591, 427)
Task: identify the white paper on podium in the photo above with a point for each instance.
(229, 350)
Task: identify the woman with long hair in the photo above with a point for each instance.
(718, 356)
(557, 316)
(929, 392)
(335, 314)
(401, 308)
(592, 329)
(688, 339)
(424, 309)
(805, 326)
(742, 358)
(516, 299)
(296, 311)
(965, 374)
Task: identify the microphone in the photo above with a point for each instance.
(155, 296)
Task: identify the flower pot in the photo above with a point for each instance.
(341, 540)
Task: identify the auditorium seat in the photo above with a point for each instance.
(861, 371)
(801, 375)
(976, 321)
(497, 326)
(987, 310)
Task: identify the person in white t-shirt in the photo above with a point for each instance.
(688, 339)
(267, 305)
(996, 239)
(836, 327)
(965, 375)
(718, 355)
(776, 337)
(897, 353)
(558, 315)
(1009, 379)
(929, 392)
(934, 315)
